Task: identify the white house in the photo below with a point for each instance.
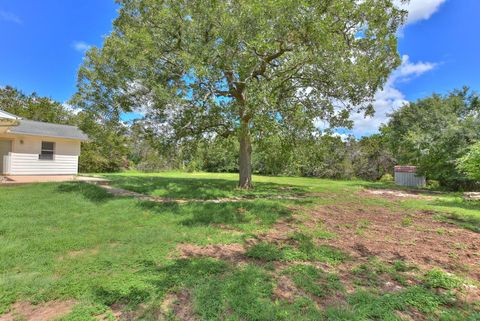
(35, 148)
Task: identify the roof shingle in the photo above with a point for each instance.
(35, 128)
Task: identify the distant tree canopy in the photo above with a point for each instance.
(469, 164)
(438, 133)
(243, 67)
(434, 133)
(34, 107)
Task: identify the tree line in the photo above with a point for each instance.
(439, 134)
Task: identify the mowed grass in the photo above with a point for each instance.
(75, 241)
(449, 206)
(219, 185)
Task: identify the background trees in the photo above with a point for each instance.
(469, 164)
(237, 67)
(34, 107)
(434, 132)
(438, 133)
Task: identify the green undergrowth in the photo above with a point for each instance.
(300, 248)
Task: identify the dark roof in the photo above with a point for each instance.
(36, 128)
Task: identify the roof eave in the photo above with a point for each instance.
(82, 139)
(8, 122)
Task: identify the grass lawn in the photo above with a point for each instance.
(336, 253)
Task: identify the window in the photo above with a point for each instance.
(48, 150)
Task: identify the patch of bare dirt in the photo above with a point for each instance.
(180, 304)
(470, 294)
(396, 194)
(411, 315)
(280, 231)
(26, 311)
(286, 290)
(228, 252)
(416, 237)
(80, 253)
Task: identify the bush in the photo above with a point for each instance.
(470, 163)
(387, 178)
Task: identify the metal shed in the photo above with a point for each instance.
(407, 176)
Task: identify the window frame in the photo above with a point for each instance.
(50, 155)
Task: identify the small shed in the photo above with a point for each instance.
(407, 176)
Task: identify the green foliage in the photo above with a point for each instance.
(302, 249)
(387, 178)
(34, 107)
(265, 251)
(314, 280)
(86, 312)
(371, 158)
(470, 163)
(375, 273)
(438, 279)
(414, 135)
(325, 156)
(107, 148)
(244, 68)
(219, 155)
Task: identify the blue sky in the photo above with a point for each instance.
(43, 42)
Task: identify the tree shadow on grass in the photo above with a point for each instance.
(217, 289)
(93, 193)
(182, 272)
(229, 213)
(198, 188)
(261, 212)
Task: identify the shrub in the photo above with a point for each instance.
(470, 163)
(387, 178)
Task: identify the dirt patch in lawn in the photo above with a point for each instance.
(396, 194)
(180, 304)
(228, 252)
(79, 253)
(366, 231)
(280, 231)
(286, 290)
(43, 312)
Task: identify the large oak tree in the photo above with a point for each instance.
(223, 67)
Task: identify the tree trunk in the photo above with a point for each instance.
(245, 156)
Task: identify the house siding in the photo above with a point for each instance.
(24, 158)
(29, 164)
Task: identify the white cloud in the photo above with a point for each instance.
(10, 17)
(81, 46)
(408, 69)
(390, 98)
(71, 108)
(420, 9)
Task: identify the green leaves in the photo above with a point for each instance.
(258, 53)
(263, 63)
(470, 163)
(434, 133)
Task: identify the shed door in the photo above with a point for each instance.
(5, 148)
